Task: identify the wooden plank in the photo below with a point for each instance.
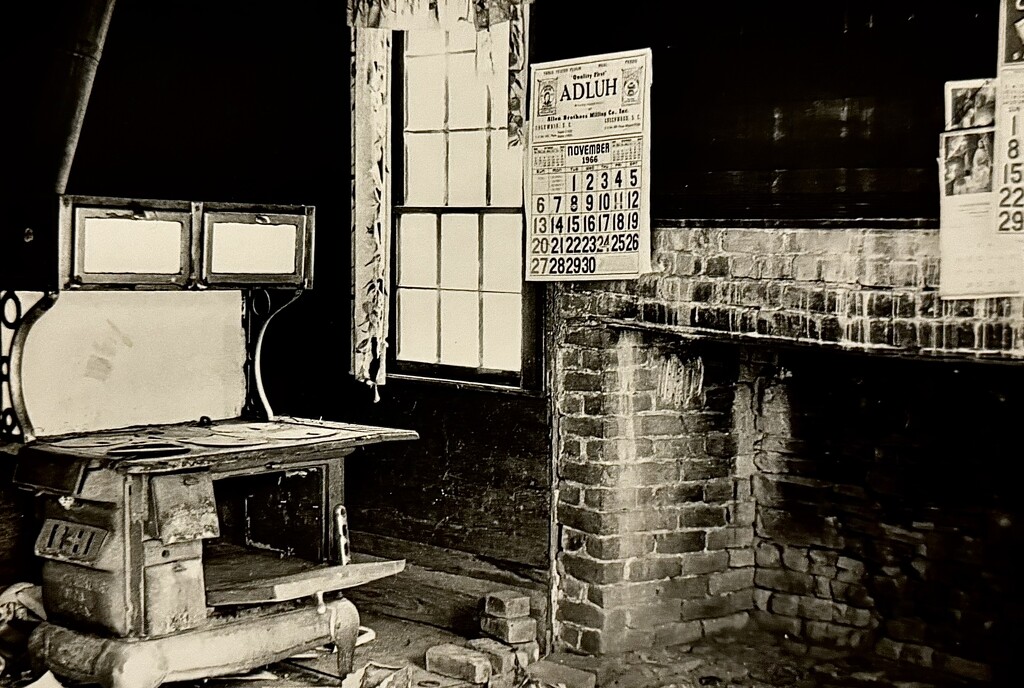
(231, 564)
(224, 585)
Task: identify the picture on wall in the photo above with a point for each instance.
(970, 103)
(967, 163)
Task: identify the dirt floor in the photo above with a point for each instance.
(745, 660)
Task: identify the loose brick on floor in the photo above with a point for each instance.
(521, 630)
(502, 656)
(507, 604)
(459, 662)
(527, 653)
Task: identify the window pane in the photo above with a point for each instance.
(124, 245)
(417, 325)
(417, 251)
(460, 264)
(467, 168)
(460, 328)
(462, 37)
(503, 331)
(424, 42)
(424, 93)
(506, 171)
(467, 93)
(503, 253)
(424, 169)
(243, 248)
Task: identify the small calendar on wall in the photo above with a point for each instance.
(588, 177)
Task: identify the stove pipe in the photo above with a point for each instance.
(72, 37)
(51, 51)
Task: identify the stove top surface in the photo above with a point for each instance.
(193, 443)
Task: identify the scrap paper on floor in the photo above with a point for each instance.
(47, 680)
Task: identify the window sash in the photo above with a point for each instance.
(495, 134)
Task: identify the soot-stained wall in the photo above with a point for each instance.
(884, 512)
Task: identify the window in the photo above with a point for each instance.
(461, 309)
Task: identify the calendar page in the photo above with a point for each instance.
(588, 177)
(1008, 156)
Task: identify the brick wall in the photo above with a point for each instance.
(656, 525)
(856, 288)
(712, 469)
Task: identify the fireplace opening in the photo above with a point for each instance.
(886, 518)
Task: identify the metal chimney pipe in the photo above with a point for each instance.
(49, 58)
(71, 77)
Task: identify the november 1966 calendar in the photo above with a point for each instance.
(588, 181)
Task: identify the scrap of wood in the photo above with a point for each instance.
(303, 584)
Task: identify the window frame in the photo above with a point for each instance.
(528, 378)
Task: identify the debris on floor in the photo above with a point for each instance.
(551, 674)
(500, 659)
(751, 659)
(21, 610)
(744, 659)
(365, 635)
(47, 680)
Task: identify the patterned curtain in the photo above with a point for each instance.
(406, 15)
(371, 203)
(372, 22)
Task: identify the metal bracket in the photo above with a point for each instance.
(258, 309)
(15, 323)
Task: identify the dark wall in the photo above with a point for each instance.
(17, 532)
(789, 109)
(477, 480)
(234, 100)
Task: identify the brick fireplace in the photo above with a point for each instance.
(787, 427)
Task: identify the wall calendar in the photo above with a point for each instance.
(588, 177)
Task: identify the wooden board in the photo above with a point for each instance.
(239, 576)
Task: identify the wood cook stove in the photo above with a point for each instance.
(182, 550)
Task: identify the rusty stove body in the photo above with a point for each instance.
(178, 551)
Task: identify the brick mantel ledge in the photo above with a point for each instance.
(695, 334)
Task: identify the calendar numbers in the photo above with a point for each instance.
(1010, 193)
(586, 216)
